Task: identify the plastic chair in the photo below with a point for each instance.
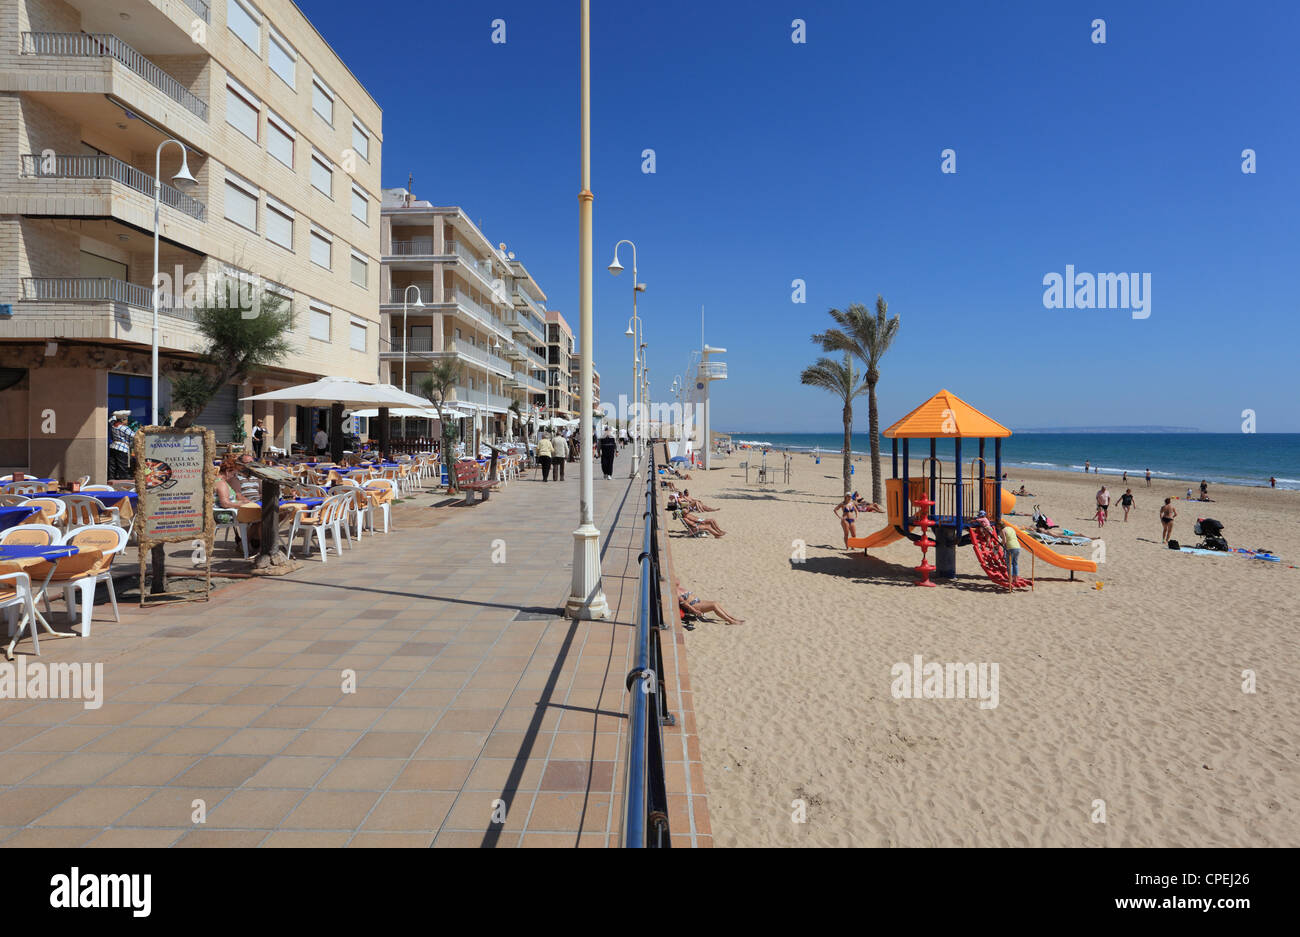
(25, 488)
(32, 535)
(79, 579)
(98, 488)
(325, 518)
(53, 511)
(387, 495)
(12, 501)
(16, 596)
(88, 511)
(358, 506)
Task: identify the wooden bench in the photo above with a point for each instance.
(468, 481)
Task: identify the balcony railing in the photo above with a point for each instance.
(483, 397)
(422, 343)
(106, 45)
(481, 355)
(107, 167)
(481, 267)
(96, 290)
(399, 294)
(201, 7)
(518, 319)
(478, 311)
(415, 247)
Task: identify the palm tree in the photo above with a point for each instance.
(235, 346)
(842, 381)
(519, 420)
(867, 338)
(444, 376)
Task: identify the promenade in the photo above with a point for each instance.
(480, 716)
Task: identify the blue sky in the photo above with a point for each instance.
(821, 161)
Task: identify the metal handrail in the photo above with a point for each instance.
(645, 817)
(201, 7)
(104, 166)
(106, 45)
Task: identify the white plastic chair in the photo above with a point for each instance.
(383, 485)
(230, 526)
(25, 488)
(358, 507)
(110, 540)
(12, 501)
(327, 517)
(87, 511)
(98, 488)
(53, 509)
(32, 535)
(16, 599)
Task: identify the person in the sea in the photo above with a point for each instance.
(1126, 502)
(1167, 514)
(1087, 466)
(1272, 482)
(847, 512)
(694, 606)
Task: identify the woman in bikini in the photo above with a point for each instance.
(694, 606)
(1126, 502)
(1167, 514)
(847, 512)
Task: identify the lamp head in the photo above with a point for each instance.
(616, 268)
(183, 179)
(629, 333)
(640, 287)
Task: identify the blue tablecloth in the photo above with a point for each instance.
(13, 516)
(17, 551)
(308, 502)
(105, 497)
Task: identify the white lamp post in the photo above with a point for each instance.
(633, 332)
(587, 592)
(419, 304)
(182, 178)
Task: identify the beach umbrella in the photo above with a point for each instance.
(679, 458)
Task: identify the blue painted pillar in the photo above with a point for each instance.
(934, 488)
(983, 501)
(895, 442)
(997, 479)
(907, 487)
(957, 443)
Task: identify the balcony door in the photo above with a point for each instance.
(93, 265)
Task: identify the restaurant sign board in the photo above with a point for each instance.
(174, 477)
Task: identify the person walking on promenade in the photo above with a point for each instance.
(561, 447)
(608, 449)
(545, 450)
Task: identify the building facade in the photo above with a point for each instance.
(285, 145)
(479, 307)
(561, 401)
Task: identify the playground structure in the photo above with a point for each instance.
(950, 508)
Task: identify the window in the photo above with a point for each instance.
(322, 173)
(241, 109)
(360, 206)
(279, 139)
(320, 323)
(360, 140)
(358, 335)
(130, 392)
(322, 246)
(360, 269)
(241, 202)
(245, 23)
(282, 58)
(279, 223)
(322, 99)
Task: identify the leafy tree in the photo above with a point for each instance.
(842, 381)
(867, 338)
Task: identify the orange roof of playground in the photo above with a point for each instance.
(946, 414)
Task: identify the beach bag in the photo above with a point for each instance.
(1173, 545)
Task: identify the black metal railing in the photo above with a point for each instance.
(645, 816)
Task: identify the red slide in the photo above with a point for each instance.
(988, 550)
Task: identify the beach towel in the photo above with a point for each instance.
(1196, 551)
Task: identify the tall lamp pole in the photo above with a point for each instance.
(633, 332)
(419, 304)
(182, 178)
(587, 594)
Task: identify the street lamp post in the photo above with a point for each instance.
(587, 593)
(182, 178)
(633, 331)
(419, 304)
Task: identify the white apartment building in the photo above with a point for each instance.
(285, 145)
(479, 307)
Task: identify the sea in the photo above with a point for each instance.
(1248, 459)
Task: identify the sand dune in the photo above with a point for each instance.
(1131, 695)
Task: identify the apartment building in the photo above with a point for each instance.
(451, 294)
(562, 368)
(284, 144)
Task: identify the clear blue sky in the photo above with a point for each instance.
(822, 161)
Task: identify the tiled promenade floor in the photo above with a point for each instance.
(474, 702)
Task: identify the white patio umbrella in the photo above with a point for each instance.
(345, 390)
(425, 413)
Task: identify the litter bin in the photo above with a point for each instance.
(945, 552)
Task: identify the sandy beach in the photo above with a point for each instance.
(1130, 695)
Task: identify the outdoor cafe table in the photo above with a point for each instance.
(13, 516)
(25, 556)
(105, 497)
(39, 481)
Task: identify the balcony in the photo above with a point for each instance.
(398, 346)
(201, 7)
(107, 167)
(482, 398)
(415, 247)
(478, 312)
(481, 268)
(96, 290)
(398, 295)
(106, 45)
(525, 324)
(528, 383)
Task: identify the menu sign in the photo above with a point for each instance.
(173, 474)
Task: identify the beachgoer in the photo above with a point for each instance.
(865, 506)
(259, 438)
(545, 450)
(1126, 502)
(1087, 466)
(608, 450)
(694, 606)
(1125, 478)
(1272, 482)
(1103, 505)
(1011, 544)
(709, 525)
(1148, 478)
(1167, 514)
(847, 512)
(693, 504)
(1189, 494)
(1205, 490)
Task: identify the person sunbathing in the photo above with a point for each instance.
(694, 521)
(693, 503)
(866, 507)
(694, 606)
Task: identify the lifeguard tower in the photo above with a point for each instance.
(949, 504)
